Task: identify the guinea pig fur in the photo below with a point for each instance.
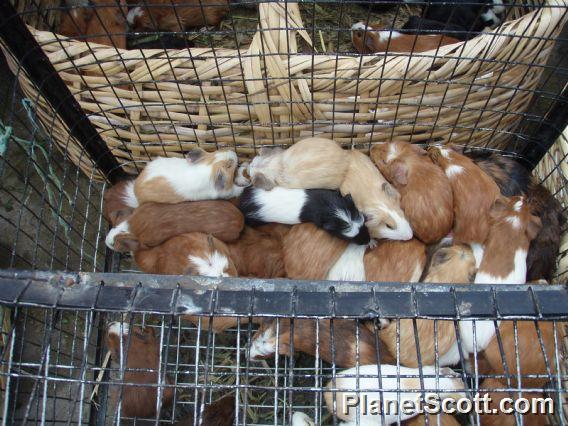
(163, 15)
(497, 391)
(200, 176)
(324, 208)
(273, 332)
(153, 223)
(454, 264)
(310, 252)
(474, 193)
(218, 413)
(425, 192)
(119, 202)
(395, 261)
(309, 163)
(258, 254)
(377, 199)
(366, 377)
(531, 353)
(140, 350)
(367, 39)
(193, 253)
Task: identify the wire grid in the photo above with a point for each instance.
(53, 366)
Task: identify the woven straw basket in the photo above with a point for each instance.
(163, 103)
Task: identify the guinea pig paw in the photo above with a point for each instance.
(243, 177)
(373, 244)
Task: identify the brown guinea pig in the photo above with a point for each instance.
(153, 223)
(218, 413)
(367, 39)
(474, 193)
(187, 254)
(401, 261)
(176, 15)
(454, 264)
(258, 254)
(304, 337)
(140, 350)
(489, 386)
(119, 202)
(425, 192)
(310, 252)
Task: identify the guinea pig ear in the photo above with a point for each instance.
(441, 256)
(399, 173)
(126, 242)
(370, 41)
(390, 191)
(349, 199)
(533, 227)
(499, 206)
(220, 180)
(262, 182)
(195, 155)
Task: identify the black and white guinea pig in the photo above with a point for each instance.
(325, 208)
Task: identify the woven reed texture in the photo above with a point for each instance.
(156, 102)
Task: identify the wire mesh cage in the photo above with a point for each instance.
(94, 90)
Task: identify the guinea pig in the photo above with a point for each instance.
(309, 163)
(531, 354)
(258, 254)
(454, 264)
(176, 15)
(325, 208)
(474, 193)
(301, 419)
(497, 392)
(514, 179)
(153, 223)
(218, 413)
(140, 351)
(119, 202)
(395, 261)
(200, 176)
(193, 253)
(365, 379)
(425, 192)
(310, 252)
(377, 199)
(367, 39)
(266, 340)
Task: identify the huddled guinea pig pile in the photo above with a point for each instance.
(317, 211)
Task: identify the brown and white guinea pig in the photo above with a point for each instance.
(514, 179)
(309, 163)
(367, 39)
(325, 208)
(200, 176)
(266, 338)
(218, 413)
(140, 350)
(193, 253)
(258, 254)
(119, 202)
(497, 392)
(377, 199)
(411, 383)
(425, 193)
(310, 252)
(153, 223)
(395, 261)
(531, 353)
(456, 265)
(474, 193)
(176, 15)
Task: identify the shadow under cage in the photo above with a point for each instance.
(93, 91)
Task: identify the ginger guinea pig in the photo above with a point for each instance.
(200, 176)
(176, 15)
(193, 253)
(425, 192)
(153, 223)
(310, 163)
(395, 261)
(377, 199)
(140, 350)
